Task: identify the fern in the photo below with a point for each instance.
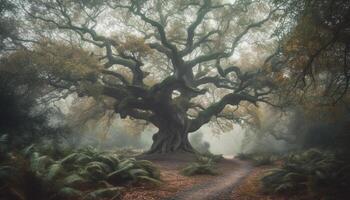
(199, 169)
(310, 170)
(95, 171)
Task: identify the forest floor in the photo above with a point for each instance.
(178, 187)
(232, 172)
(237, 180)
(250, 188)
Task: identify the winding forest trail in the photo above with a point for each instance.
(219, 187)
(179, 187)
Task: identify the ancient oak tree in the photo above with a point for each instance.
(157, 58)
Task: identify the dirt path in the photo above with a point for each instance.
(219, 187)
(179, 187)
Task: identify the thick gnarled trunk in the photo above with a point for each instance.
(173, 129)
(171, 138)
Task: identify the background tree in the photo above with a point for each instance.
(312, 73)
(316, 52)
(23, 119)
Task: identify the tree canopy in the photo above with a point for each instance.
(177, 64)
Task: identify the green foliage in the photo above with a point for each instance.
(109, 193)
(18, 123)
(199, 169)
(68, 193)
(127, 152)
(205, 165)
(208, 157)
(258, 159)
(263, 160)
(70, 177)
(244, 156)
(312, 170)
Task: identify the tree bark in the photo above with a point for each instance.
(171, 138)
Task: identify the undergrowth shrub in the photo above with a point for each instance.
(205, 164)
(258, 159)
(81, 174)
(313, 170)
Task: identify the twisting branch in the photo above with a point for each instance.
(136, 9)
(116, 75)
(234, 44)
(214, 109)
(203, 10)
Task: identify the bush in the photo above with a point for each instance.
(205, 165)
(244, 156)
(22, 119)
(199, 169)
(208, 157)
(257, 159)
(262, 160)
